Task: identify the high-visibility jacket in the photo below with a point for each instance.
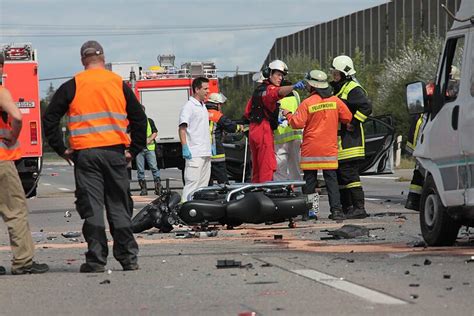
(152, 146)
(7, 153)
(285, 134)
(319, 118)
(416, 122)
(97, 114)
(352, 143)
(218, 123)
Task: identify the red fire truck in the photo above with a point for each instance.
(163, 90)
(20, 77)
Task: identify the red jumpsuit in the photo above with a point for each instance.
(261, 137)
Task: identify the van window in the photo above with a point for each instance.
(450, 75)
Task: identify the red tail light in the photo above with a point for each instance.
(34, 133)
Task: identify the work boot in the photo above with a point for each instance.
(2, 270)
(336, 215)
(346, 200)
(34, 268)
(144, 190)
(357, 213)
(131, 267)
(413, 202)
(158, 186)
(91, 268)
(358, 199)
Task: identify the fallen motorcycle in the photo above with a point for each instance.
(231, 205)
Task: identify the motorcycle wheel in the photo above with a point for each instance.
(143, 220)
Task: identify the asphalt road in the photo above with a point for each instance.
(301, 274)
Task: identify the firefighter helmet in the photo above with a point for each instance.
(317, 79)
(275, 65)
(217, 98)
(344, 64)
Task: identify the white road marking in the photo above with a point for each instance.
(380, 177)
(46, 183)
(348, 287)
(372, 199)
(64, 189)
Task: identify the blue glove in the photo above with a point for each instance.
(186, 152)
(213, 150)
(299, 85)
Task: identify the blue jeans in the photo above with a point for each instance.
(150, 157)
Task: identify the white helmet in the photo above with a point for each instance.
(317, 79)
(258, 77)
(278, 65)
(455, 73)
(344, 64)
(217, 98)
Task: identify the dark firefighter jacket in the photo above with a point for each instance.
(218, 123)
(352, 144)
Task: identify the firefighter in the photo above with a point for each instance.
(319, 115)
(262, 112)
(218, 124)
(351, 141)
(99, 107)
(13, 208)
(288, 141)
(417, 181)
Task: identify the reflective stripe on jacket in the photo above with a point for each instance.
(97, 115)
(152, 146)
(285, 134)
(319, 119)
(352, 143)
(7, 153)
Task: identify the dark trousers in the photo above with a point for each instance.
(102, 181)
(330, 177)
(352, 194)
(218, 173)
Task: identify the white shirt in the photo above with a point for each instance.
(198, 138)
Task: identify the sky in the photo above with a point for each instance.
(231, 33)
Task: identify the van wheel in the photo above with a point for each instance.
(437, 227)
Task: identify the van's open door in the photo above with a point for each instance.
(379, 139)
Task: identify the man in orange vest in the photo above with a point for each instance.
(319, 115)
(13, 207)
(99, 107)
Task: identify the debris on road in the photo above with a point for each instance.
(417, 244)
(348, 232)
(51, 238)
(277, 237)
(414, 285)
(67, 214)
(106, 281)
(427, 262)
(414, 296)
(192, 234)
(470, 260)
(71, 234)
(446, 276)
(266, 265)
(226, 263)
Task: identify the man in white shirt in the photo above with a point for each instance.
(195, 140)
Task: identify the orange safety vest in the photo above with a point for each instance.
(8, 153)
(320, 119)
(97, 114)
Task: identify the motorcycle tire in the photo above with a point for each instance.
(143, 220)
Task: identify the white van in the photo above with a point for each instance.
(445, 147)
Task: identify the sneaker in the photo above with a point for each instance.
(131, 267)
(2, 270)
(34, 268)
(91, 268)
(357, 214)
